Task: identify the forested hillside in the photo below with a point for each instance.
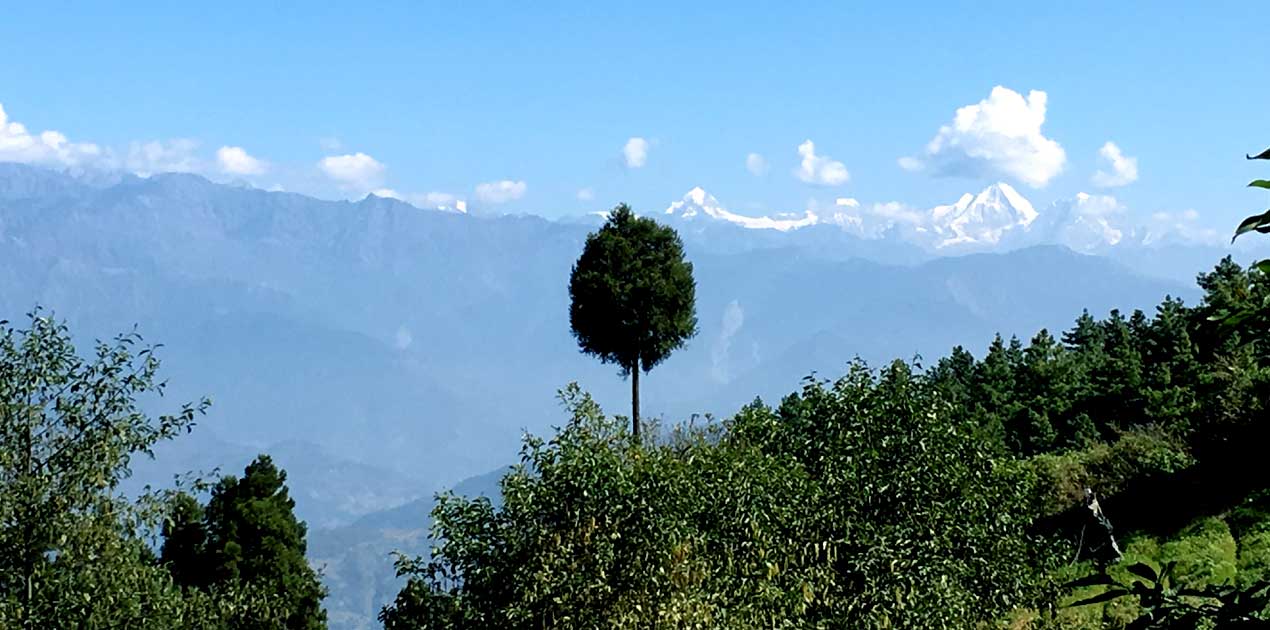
(953, 495)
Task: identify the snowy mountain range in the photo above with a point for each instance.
(996, 218)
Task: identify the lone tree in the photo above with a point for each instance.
(633, 296)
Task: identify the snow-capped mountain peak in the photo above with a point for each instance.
(982, 219)
(697, 202)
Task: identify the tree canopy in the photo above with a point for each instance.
(248, 537)
(633, 297)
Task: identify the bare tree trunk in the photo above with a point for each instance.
(635, 401)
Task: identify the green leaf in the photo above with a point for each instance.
(1260, 183)
(1257, 222)
(1263, 266)
(1100, 598)
(1264, 155)
(1144, 571)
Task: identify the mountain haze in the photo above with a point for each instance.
(375, 329)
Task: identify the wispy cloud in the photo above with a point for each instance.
(501, 191)
(756, 164)
(1123, 170)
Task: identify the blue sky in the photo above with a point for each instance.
(543, 97)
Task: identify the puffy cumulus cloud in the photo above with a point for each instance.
(354, 171)
(819, 169)
(501, 191)
(756, 164)
(160, 156)
(999, 136)
(635, 152)
(236, 161)
(17, 144)
(586, 194)
(846, 202)
(1122, 169)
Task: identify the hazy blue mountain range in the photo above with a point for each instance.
(424, 341)
(383, 352)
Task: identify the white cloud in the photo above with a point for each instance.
(898, 212)
(157, 156)
(439, 200)
(910, 163)
(1124, 169)
(874, 220)
(1098, 205)
(47, 147)
(756, 164)
(236, 161)
(354, 171)
(500, 191)
(635, 152)
(586, 194)
(820, 169)
(1185, 226)
(733, 320)
(996, 137)
(436, 198)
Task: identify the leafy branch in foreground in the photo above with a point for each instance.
(1167, 606)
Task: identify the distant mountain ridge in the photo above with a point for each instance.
(367, 326)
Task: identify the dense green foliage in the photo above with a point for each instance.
(247, 535)
(860, 503)
(1174, 374)
(70, 550)
(74, 551)
(952, 497)
(632, 296)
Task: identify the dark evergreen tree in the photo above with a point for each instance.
(633, 298)
(248, 538)
(185, 542)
